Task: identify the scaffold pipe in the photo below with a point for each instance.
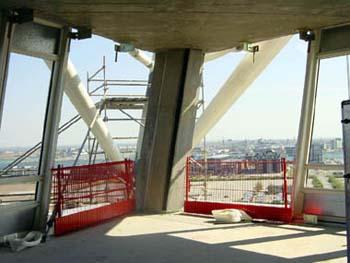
(79, 97)
(237, 83)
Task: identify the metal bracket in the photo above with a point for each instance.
(21, 15)
(251, 48)
(308, 36)
(81, 33)
(345, 121)
(122, 47)
(347, 176)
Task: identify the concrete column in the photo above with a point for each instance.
(5, 41)
(306, 124)
(143, 117)
(50, 135)
(169, 128)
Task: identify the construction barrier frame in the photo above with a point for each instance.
(256, 211)
(83, 183)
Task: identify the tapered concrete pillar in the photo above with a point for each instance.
(169, 129)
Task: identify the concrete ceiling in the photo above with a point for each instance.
(207, 24)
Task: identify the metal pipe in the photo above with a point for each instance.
(125, 119)
(306, 124)
(119, 80)
(37, 146)
(77, 94)
(236, 84)
(132, 118)
(81, 148)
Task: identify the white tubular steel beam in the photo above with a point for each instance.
(238, 82)
(77, 94)
(142, 57)
(79, 97)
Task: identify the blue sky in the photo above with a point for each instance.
(270, 108)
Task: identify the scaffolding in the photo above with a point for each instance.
(99, 86)
(201, 105)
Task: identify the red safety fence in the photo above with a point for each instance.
(262, 188)
(90, 194)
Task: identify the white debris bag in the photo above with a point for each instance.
(230, 215)
(31, 239)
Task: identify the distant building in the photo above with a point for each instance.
(290, 152)
(336, 144)
(269, 161)
(266, 154)
(218, 157)
(316, 153)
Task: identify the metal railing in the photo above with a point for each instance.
(244, 182)
(88, 194)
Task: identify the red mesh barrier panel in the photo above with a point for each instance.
(262, 188)
(89, 194)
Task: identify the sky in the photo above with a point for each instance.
(269, 109)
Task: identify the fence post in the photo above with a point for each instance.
(127, 178)
(285, 186)
(59, 191)
(187, 178)
(90, 184)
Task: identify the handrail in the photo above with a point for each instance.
(37, 146)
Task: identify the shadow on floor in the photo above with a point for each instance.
(95, 245)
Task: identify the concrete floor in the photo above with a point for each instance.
(178, 238)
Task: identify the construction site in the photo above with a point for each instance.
(141, 182)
